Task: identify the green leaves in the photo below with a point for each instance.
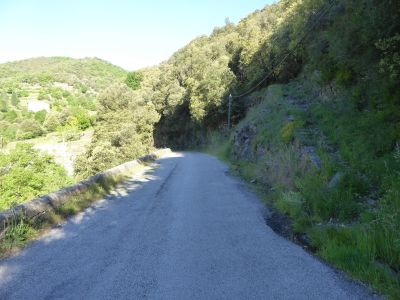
(133, 80)
(26, 174)
(124, 130)
(390, 61)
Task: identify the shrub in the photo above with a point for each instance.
(52, 121)
(344, 75)
(29, 129)
(40, 116)
(26, 173)
(288, 130)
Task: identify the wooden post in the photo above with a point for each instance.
(229, 111)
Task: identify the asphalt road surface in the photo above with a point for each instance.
(188, 230)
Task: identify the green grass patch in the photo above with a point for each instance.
(16, 236)
(354, 250)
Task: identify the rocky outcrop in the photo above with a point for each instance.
(243, 142)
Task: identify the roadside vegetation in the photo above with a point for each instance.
(25, 174)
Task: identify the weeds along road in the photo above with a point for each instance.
(186, 231)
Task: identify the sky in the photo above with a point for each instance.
(129, 33)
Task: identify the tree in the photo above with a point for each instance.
(133, 80)
(390, 62)
(124, 130)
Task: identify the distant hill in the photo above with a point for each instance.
(90, 73)
(47, 94)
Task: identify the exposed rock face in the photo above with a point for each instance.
(243, 142)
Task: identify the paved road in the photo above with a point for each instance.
(187, 231)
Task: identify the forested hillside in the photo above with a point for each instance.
(322, 141)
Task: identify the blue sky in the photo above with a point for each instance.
(132, 34)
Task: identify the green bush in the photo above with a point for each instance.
(40, 116)
(10, 115)
(26, 173)
(29, 129)
(7, 132)
(344, 75)
(118, 137)
(52, 121)
(133, 80)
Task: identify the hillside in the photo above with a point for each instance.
(86, 73)
(43, 95)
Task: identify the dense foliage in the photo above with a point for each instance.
(347, 42)
(133, 80)
(124, 130)
(26, 173)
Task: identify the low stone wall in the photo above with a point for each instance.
(39, 206)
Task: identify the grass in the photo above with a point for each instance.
(16, 236)
(354, 250)
(19, 234)
(219, 145)
(353, 224)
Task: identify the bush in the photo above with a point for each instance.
(40, 116)
(7, 132)
(52, 121)
(26, 173)
(29, 129)
(344, 75)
